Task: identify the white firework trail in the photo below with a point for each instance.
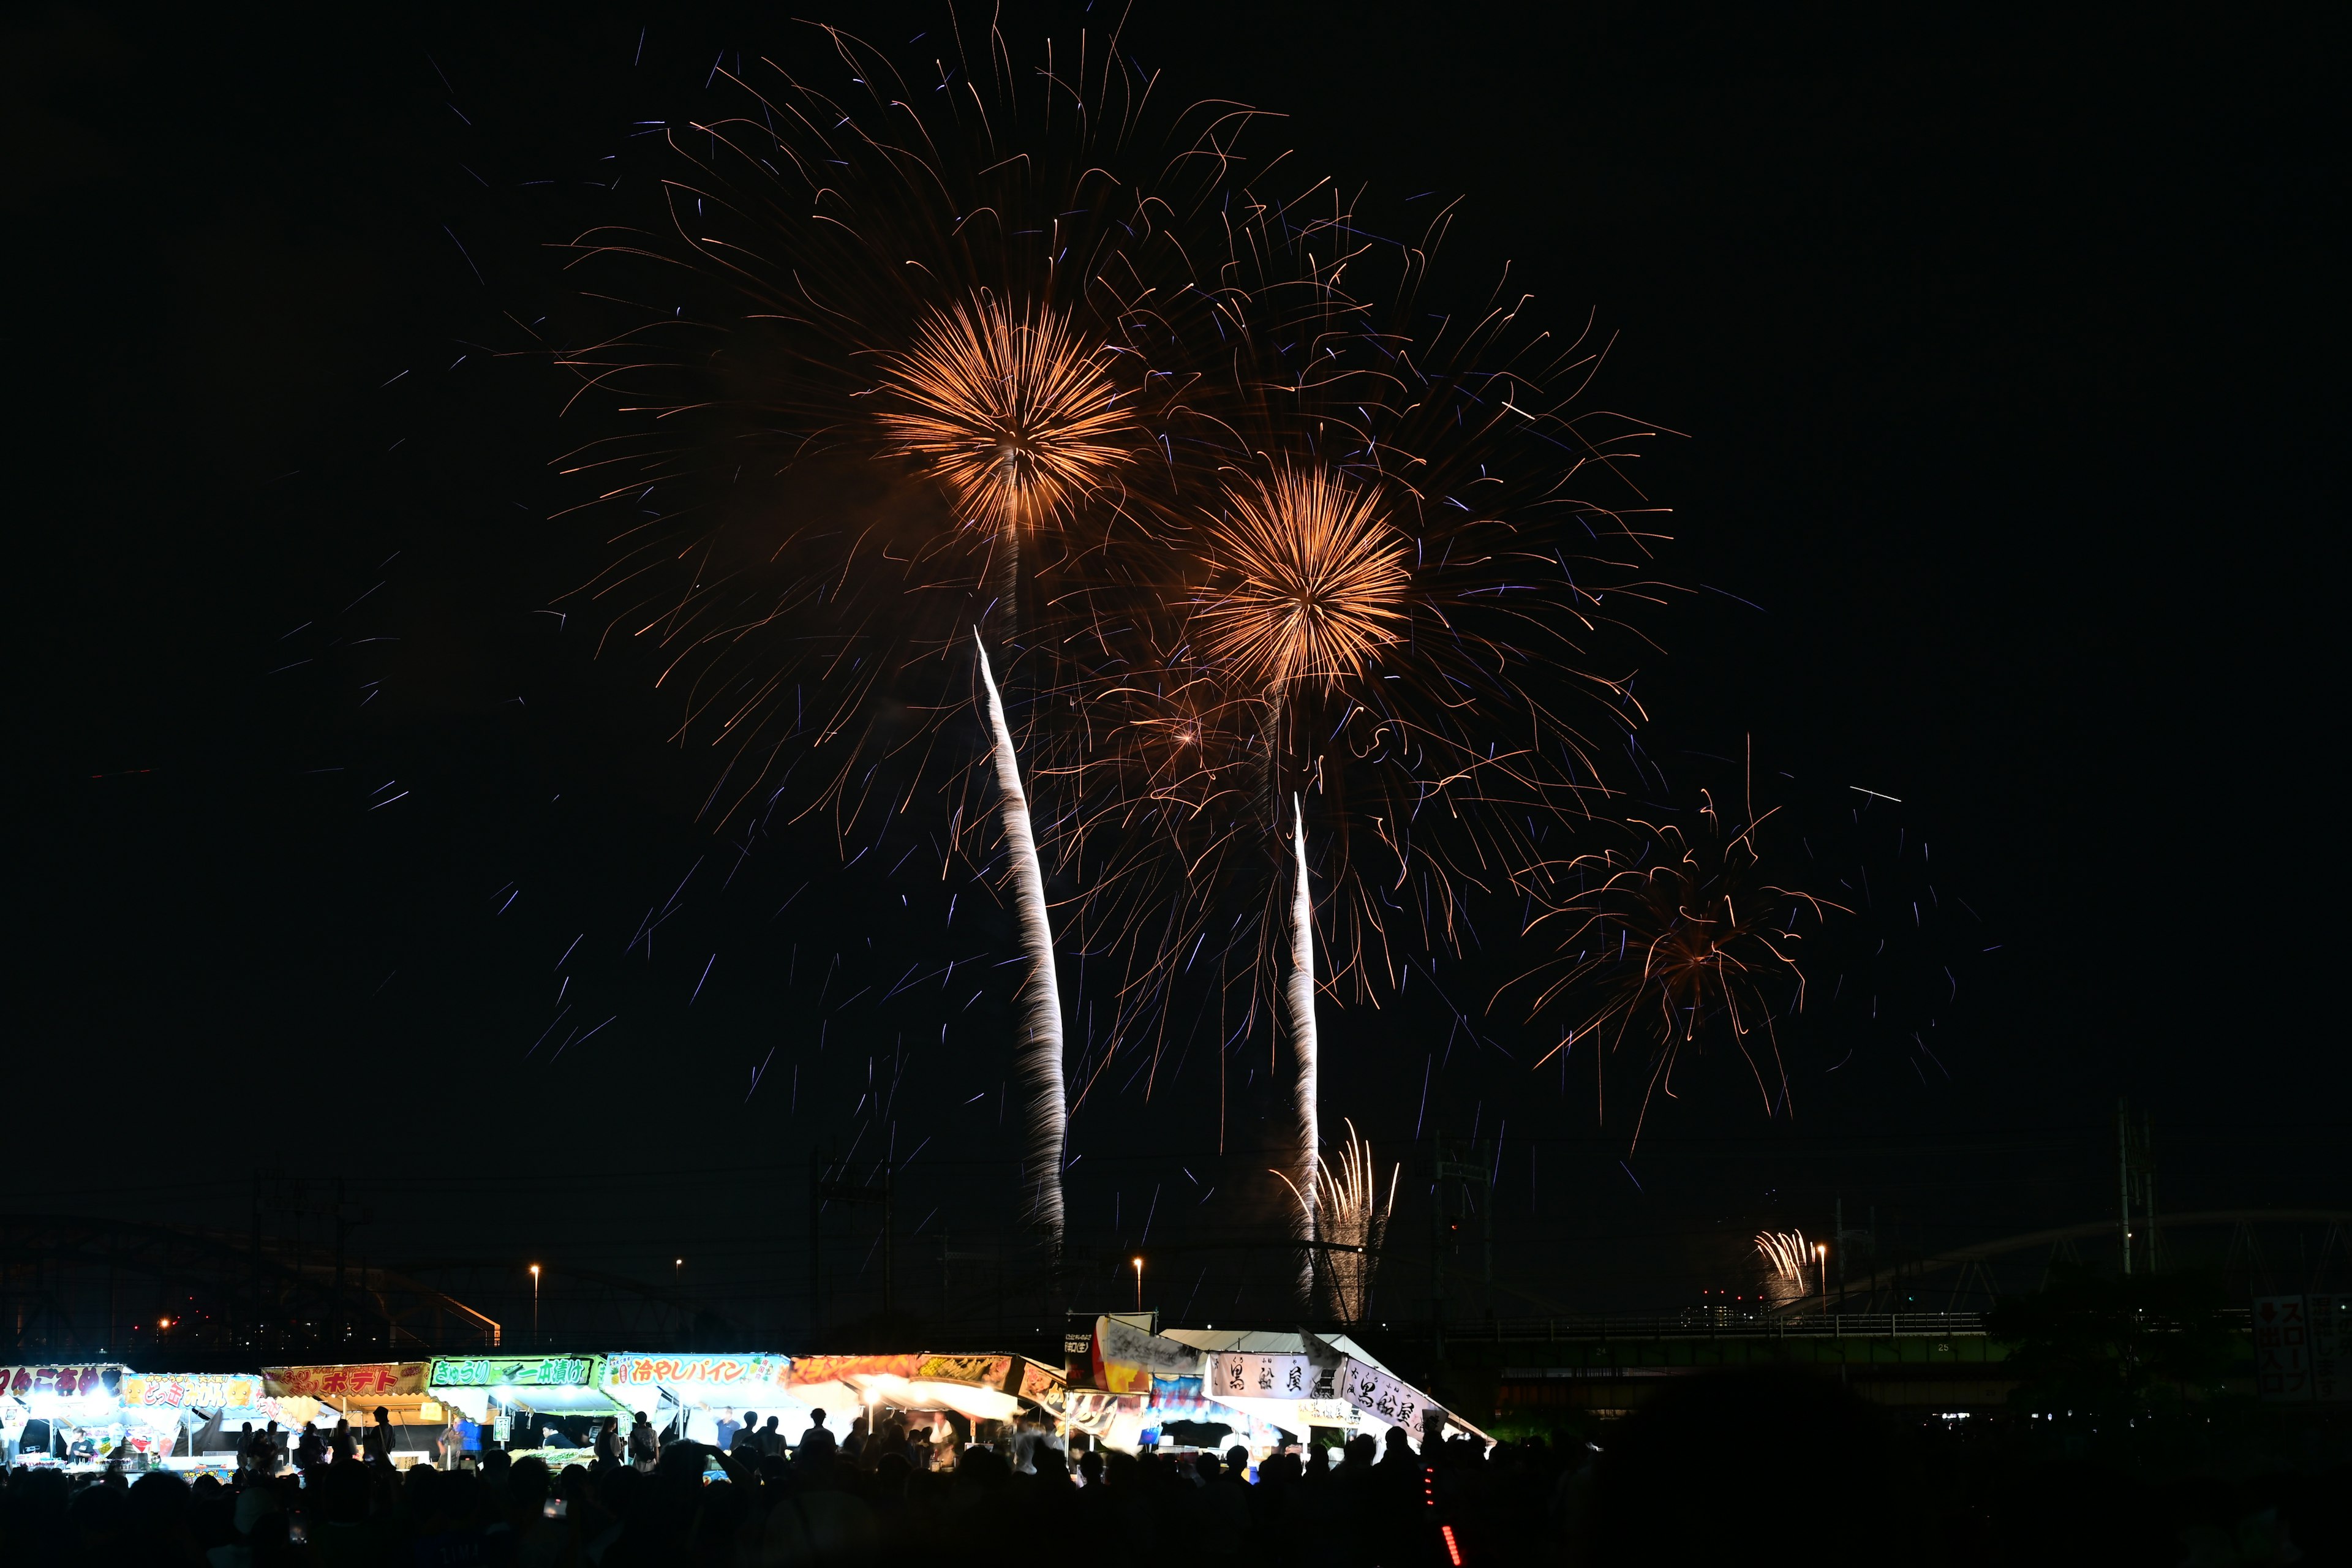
(1039, 1060)
(1299, 992)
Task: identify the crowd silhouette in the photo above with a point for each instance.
(1737, 1466)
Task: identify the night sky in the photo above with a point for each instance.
(2004, 360)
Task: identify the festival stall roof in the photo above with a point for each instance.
(703, 1387)
(980, 1387)
(76, 1394)
(355, 1389)
(1288, 1377)
(753, 1380)
(543, 1384)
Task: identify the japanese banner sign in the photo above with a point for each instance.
(1377, 1392)
(742, 1373)
(514, 1372)
(2331, 1358)
(68, 1382)
(1261, 1374)
(833, 1368)
(983, 1371)
(1131, 1357)
(183, 1391)
(366, 1380)
(2282, 1347)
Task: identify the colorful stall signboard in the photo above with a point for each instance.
(514, 1372)
(183, 1391)
(1128, 1357)
(66, 1382)
(1040, 1385)
(838, 1368)
(743, 1371)
(982, 1371)
(364, 1380)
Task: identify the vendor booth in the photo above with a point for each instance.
(690, 1394)
(355, 1391)
(193, 1420)
(1268, 1389)
(984, 1391)
(63, 1417)
(493, 1399)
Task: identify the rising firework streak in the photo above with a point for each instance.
(1300, 993)
(1040, 1059)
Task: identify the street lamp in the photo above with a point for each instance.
(1138, 1283)
(1821, 1257)
(676, 1273)
(534, 1306)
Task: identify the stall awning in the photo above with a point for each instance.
(354, 1380)
(554, 1384)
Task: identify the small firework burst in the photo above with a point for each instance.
(1016, 413)
(1311, 581)
(1351, 1213)
(1676, 938)
(1786, 1258)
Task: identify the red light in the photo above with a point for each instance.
(1452, 1551)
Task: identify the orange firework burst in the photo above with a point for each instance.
(1016, 413)
(1314, 576)
(1678, 937)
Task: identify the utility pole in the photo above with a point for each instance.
(2136, 1158)
(2123, 1180)
(1837, 1234)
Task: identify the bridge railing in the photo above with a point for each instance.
(1724, 1324)
(1728, 1323)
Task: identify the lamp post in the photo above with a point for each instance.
(1821, 1257)
(1138, 1283)
(676, 1273)
(534, 1306)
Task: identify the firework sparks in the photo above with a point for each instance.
(1014, 413)
(1353, 1213)
(1317, 581)
(1039, 1060)
(1677, 935)
(1786, 1258)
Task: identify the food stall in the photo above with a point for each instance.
(692, 1393)
(980, 1388)
(193, 1420)
(355, 1391)
(1269, 1389)
(492, 1392)
(63, 1416)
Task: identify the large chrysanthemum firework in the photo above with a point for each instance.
(1015, 412)
(1311, 581)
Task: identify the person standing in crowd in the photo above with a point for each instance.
(608, 1442)
(644, 1450)
(309, 1448)
(378, 1448)
(816, 1443)
(342, 1444)
(451, 1445)
(771, 1441)
(727, 1427)
(747, 1436)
